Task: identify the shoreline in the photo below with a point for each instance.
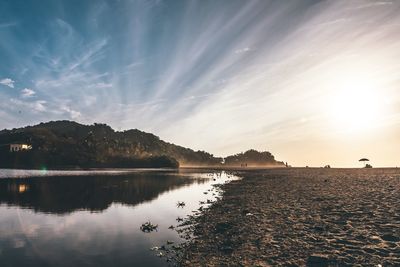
(202, 168)
(299, 217)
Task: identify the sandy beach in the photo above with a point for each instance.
(301, 217)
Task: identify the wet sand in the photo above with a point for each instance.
(298, 217)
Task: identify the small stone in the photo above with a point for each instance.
(226, 249)
(390, 238)
(318, 260)
(222, 227)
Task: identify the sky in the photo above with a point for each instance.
(313, 82)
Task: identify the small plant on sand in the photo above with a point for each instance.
(180, 204)
(148, 227)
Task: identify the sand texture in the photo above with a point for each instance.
(299, 217)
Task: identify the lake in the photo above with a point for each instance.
(93, 218)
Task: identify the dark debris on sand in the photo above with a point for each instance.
(301, 217)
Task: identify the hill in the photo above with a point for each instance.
(253, 158)
(68, 144)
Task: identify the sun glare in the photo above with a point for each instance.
(356, 105)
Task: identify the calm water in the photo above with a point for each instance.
(92, 218)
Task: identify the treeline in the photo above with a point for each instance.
(252, 158)
(36, 159)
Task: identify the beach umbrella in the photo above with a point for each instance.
(364, 160)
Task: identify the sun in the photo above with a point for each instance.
(356, 104)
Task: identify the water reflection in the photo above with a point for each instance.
(94, 193)
(95, 220)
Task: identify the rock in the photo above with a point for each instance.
(222, 227)
(226, 249)
(369, 250)
(390, 238)
(318, 260)
(375, 239)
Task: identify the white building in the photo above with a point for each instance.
(19, 147)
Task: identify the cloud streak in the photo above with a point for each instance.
(7, 24)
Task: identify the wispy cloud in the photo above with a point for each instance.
(40, 105)
(374, 4)
(7, 82)
(7, 24)
(90, 55)
(26, 93)
(73, 114)
(243, 50)
(28, 106)
(100, 85)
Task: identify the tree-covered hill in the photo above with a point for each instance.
(68, 144)
(253, 158)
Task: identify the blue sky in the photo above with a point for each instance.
(221, 76)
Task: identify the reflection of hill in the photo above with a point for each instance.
(94, 193)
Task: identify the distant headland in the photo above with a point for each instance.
(68, 145)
